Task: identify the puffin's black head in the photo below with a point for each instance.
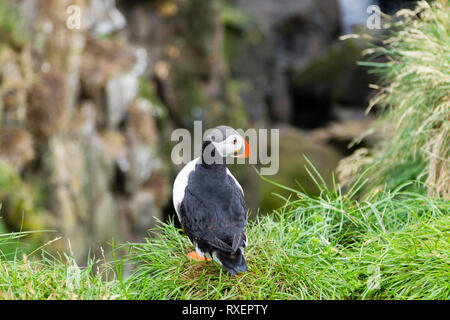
(222, 142)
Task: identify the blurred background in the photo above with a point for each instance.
(90, 92)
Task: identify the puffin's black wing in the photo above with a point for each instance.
(216, 218)
(213, 214)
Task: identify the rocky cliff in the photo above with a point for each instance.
(77, 135)
(91, 90)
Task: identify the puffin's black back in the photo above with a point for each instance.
(213, 214)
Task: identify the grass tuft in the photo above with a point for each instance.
(413, 96)
(391, 245)
(41, 276)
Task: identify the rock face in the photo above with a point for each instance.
(185, 43)
(330, 81)
(16, 146)
(283, 35)
(74, 127)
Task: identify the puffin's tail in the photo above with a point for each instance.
(232, 262)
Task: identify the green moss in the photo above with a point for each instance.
(231, 41)
(147, 92)
(17, 198)
(12, 30)
(236, 23)
(233, 17)
(191, 98)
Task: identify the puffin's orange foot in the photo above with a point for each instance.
(194, 255)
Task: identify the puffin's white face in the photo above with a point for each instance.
(229, 143)
(233, 146)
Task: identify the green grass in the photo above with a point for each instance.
(389, 245)
(392, 245)
(12, 29)
(39, 275)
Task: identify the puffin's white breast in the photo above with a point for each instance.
(179, 186)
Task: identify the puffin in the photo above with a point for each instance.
(209, 201)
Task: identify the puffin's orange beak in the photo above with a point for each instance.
(246, 152)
